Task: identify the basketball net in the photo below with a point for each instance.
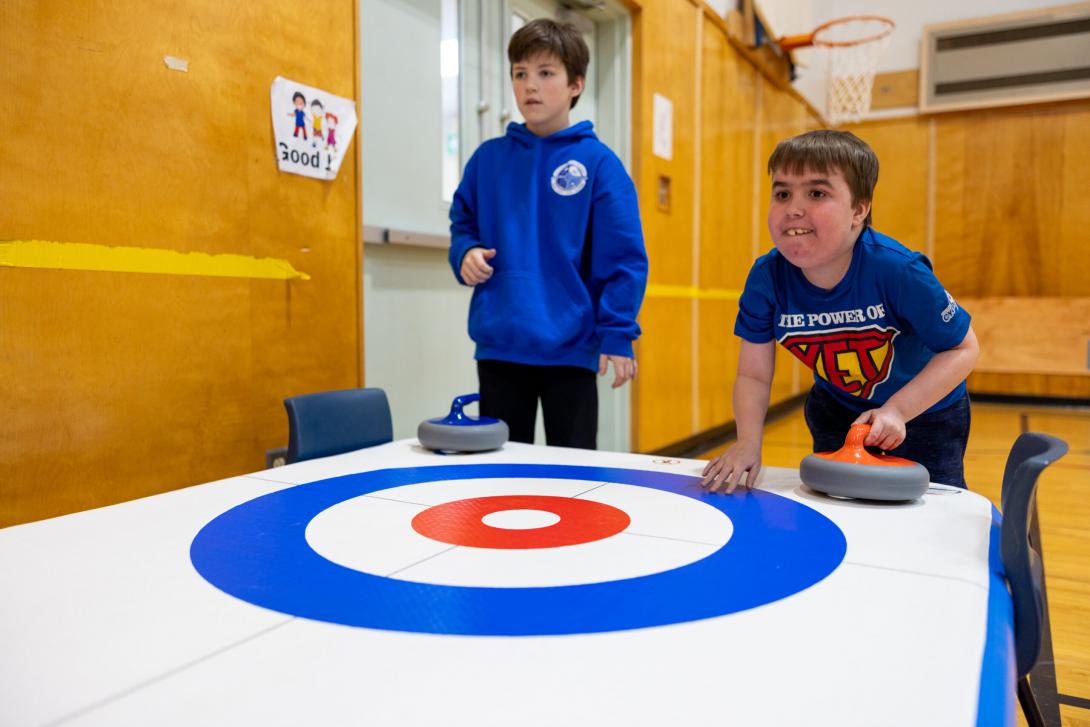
(853, 46)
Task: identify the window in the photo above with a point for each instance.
(449, 72)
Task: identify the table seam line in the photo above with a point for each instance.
(116, 696)
(909, 571)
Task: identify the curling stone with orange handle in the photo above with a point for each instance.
(852, 471)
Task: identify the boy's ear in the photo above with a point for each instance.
(860, 212)
(578, 85)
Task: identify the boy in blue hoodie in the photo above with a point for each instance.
(545, 226)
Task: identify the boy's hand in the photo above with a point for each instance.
(887, 427)
(740, 460)
(624, 368)
(475, 267)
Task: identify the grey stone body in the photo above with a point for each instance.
(864, 481)
(462, 438)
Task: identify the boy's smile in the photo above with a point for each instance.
(543, 92)
(815, 224)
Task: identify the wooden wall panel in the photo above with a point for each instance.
(741, 117)
(994, 204)
(1010, 216)
(123, 400)
(714, 373)
(665, 379)
(728, 108)
(666, 66)
(1063, 387)
(130, 384)
(1026, 222)
(717, 213)
(1069, 232)
(901, 198)
(1038, 335)
(718, 362)
(1032, 346)
(895, 89)
(669, 69)
(727, 193)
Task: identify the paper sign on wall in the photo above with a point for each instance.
(313, 128)
(662, 135)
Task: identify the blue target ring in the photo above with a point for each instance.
(258, 552)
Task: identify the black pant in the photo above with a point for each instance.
(569, 401)
(936, 440)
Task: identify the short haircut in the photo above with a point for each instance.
(298, 97)
(825, 150)
(562, 40)
(317, 103)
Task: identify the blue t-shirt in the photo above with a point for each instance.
(866, 337)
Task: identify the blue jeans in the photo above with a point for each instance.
(934, 439)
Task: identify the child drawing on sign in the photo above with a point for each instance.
(300, 112)
(316, 113)
(331, 138)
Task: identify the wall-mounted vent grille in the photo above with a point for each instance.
(1027, 57)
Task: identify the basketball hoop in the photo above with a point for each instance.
(853, 46)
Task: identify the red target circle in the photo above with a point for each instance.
(460, 522)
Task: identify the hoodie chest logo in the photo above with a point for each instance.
(569, 178)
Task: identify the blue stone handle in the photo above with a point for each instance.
(457, 417)
(459, 402)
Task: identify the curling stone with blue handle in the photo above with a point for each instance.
(852, 471)
(459, 432)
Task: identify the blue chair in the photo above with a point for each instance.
(1030, 454)
(334, 422)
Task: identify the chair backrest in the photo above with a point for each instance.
(1031, 453)
(333, 422)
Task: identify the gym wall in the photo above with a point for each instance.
(727, 118)
(996, 198)
(119, 385)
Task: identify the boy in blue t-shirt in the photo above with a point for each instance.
(546, 227)
(887, 344)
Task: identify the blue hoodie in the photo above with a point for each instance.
(570, 265)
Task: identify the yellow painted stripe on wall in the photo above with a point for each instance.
(691, 292)
(104, 258)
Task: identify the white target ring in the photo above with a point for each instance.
(373, 534)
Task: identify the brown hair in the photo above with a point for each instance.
(825, 150)
(562, 40)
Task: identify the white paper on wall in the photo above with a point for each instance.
(662, 135)
(313, 128)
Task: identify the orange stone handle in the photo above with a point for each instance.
(853, 451)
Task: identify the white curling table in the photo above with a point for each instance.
(526, 586)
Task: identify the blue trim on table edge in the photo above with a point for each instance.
(996, 702)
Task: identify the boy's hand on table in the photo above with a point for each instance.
(475, 268)
(740, 461)
(624, 368)
(887, 427)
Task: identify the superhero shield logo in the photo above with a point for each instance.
(853, 360)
